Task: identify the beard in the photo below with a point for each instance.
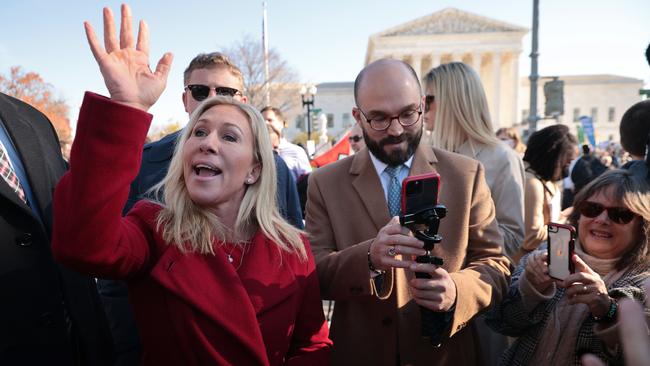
(396, 157)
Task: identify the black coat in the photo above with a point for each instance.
(33, 327)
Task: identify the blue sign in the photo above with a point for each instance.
(588, 129)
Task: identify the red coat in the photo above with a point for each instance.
(191, 309)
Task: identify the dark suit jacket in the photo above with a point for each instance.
(156, 157)
(34, 288)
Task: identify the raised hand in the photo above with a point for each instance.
(125, 66)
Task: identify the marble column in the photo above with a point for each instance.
(514, 85)
(416, 63)
(496, 87)
(476, 62)
(435, 60)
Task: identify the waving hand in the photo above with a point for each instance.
(125, 65)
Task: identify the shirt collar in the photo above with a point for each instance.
(380, 165)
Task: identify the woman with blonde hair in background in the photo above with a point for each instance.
(457, 114)
(215, 274)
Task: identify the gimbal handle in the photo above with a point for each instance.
(430, 216)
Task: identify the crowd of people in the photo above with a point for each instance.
(194, 250)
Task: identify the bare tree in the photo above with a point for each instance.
(32, 89)
(248, 55)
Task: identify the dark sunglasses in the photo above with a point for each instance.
(618, 215)
(355, 138)
(428, 99)
(200, 92)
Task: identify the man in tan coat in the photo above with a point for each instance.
(364, 257)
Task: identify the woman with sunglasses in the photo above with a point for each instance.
(557, 321)
(215, 275)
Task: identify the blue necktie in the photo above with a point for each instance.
(394, 190)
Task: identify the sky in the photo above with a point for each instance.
(322, 41)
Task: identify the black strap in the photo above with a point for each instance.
(531, 171)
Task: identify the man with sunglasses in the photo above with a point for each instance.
(356, 138)
(364, 256)
(207, 75)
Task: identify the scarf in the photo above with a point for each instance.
(557, 343)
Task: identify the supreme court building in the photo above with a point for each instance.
(493, 48)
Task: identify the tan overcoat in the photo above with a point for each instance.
(346, 208)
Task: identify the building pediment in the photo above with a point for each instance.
(450, 21)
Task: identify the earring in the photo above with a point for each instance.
(249, 180)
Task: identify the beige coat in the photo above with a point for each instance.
(345, 210)
(504, 173)
(537, 212)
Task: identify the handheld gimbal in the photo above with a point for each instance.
(424, 224)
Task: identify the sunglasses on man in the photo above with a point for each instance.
(200, 92)
(355, 138)
(618, 215)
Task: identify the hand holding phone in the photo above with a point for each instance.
(561, 240)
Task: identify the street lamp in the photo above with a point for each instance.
(308, 94)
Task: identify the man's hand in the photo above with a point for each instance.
(125, 65)
(394, 246)
(437, 293)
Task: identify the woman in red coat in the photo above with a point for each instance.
(216, 276)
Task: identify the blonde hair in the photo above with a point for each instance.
(192, 228)
(213, 60)
(462, 112)
(512, 134)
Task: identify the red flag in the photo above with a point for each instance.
(337, 152)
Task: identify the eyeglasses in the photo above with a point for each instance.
(618, 215)
(428, 99)
(382, 122)
(200, 92)
(355, 138)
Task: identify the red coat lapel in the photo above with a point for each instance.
(268, 275)
(211, 285)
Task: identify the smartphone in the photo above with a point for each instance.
(561, 239)
(419, 192)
